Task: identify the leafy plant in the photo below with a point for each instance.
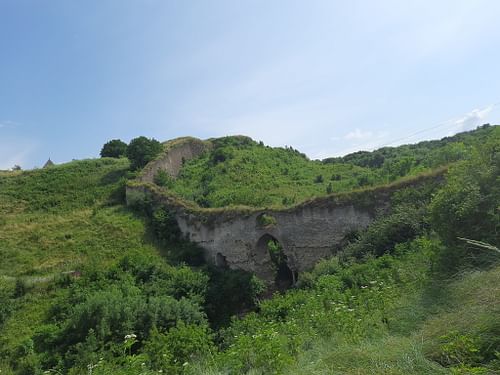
(115, 148)
(142, 150)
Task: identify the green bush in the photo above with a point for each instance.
(173, 351)
(229, 292)
(114, 149)
(165, 225)
(163, 179)
(266, 220)
(468, 204)
(403, 224)
(142, 150)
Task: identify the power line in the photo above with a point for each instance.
(451, 122)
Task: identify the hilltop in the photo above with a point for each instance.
(240, 171)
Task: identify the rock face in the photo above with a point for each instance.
(238, 238)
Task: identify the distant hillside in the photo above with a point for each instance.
(240, 171)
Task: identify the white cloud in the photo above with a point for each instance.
(358, 134)
(473, 118)
(8, 124)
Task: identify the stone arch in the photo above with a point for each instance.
(220, 260)
(270, 257)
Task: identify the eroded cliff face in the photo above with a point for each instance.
(237, 238)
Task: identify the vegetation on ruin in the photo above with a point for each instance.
(240, 171)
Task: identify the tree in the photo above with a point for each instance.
(467, 206)
(142, 150)
(16, 167)
(114, 149)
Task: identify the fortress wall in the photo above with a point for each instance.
(308, 232)
(307, 235)
(178, 151)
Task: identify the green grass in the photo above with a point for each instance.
(238, 171)
(261, 176)
(58, 220)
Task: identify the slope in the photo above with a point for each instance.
(240, 171)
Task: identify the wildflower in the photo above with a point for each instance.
(130, 337)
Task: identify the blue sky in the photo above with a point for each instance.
(327, 77)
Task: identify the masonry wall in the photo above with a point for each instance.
(232, 238)
(178, 151)
(307, 235)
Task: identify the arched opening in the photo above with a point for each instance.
(220, 261)
(269, 247)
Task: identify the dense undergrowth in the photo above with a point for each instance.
(88, 286)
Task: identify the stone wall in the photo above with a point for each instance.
(237, 239)
(307, 235)
(177, 151)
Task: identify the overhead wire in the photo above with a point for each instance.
(450, 122)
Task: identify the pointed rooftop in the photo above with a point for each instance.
(48, 164)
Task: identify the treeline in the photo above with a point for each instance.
(139, 151)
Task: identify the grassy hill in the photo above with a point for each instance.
(58, 220)
(88, 285)
(240, 171)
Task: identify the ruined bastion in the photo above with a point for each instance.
(236, 238)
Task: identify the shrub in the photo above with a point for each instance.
(114, 149)
(318, 179)
(404, 224)
(163, 179)
(468, 204)
(266, 220)
(173, 351)
(229, 292)
(165, 225)
(222, 154)
(142, 150)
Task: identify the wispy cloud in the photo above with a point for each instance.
(8, 124)
(355, 140)
(473, 118)
(358, 134)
